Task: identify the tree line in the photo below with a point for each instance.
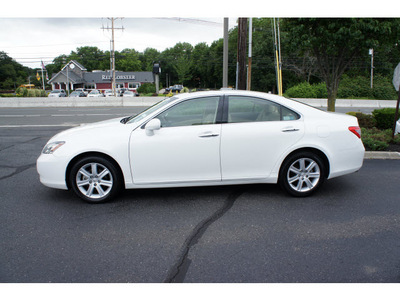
(313, 50)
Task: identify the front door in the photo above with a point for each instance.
(185, 149)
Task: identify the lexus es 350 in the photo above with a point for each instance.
(205, 139)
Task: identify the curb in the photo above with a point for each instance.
(381, 155)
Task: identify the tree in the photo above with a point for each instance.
(128, 60)
(335, 43)
(90, 57)
(200, 64)
(148, 57)
(176, 62)
(12, 74)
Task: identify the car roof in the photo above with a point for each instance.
(291, 103)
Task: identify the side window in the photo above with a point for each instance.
(200, 111)
(248, 109)
(288, 115)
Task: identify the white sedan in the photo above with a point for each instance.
(205, 139)
(95, 93)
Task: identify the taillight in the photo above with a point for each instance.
(356, 130)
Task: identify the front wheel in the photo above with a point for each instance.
(95, 179)
(302, 174)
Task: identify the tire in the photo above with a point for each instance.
(95, 179)
(302, 174)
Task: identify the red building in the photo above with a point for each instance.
(73, 75)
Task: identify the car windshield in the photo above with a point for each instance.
(55, 92)
(149, 111)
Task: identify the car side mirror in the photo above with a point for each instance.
(154, 124)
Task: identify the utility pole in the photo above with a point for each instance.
(225, 58)
(371, 52)
(241, 54)
(278, 58)
(112, 54)
(250, 54)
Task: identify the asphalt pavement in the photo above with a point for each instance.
(348, 232)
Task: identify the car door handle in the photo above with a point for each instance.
(208, 134)
(290, 129)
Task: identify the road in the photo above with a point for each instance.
(67, 117)
(349, 231)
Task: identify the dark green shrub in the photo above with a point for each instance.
(358, 87)
(383, 89)
(396, 139)
(375, 139)
(364, 120)
(21, 92)
(302, 90)
(31, 93)
(320, 90)
(384, 117)
(147, 88)
(374, 145)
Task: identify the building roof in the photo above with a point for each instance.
(98, 76)
(74, 62)
(105, 76)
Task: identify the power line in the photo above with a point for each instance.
(194, 21)
(53, 45)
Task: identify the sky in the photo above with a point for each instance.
(35, 31)
(31, 40)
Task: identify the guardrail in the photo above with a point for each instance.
(77, 102)
(148, 101)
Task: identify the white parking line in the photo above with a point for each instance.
(21, 126)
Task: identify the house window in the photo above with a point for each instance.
(133, 85)
(90, 86)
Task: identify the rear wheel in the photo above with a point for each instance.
(302, 174)
(95, 179)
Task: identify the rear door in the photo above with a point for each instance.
(255, 135)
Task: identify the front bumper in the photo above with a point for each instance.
(52, 171)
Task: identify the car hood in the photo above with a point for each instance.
(92, 128)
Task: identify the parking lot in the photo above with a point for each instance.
(349, 231)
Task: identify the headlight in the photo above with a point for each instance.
(51, 147)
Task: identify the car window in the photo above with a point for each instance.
(199, 111)
(249, 109)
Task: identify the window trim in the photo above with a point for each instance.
(217, 119)
(226, 109)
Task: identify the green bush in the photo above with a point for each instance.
(384, 117)
(147, 88)
(320, 89)
(21, 92)
(374, 145)
(358, 87)
(375, 139)
(306, 90)
(364, 120)
(302, 90)
(383, 88)
(31, 93)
